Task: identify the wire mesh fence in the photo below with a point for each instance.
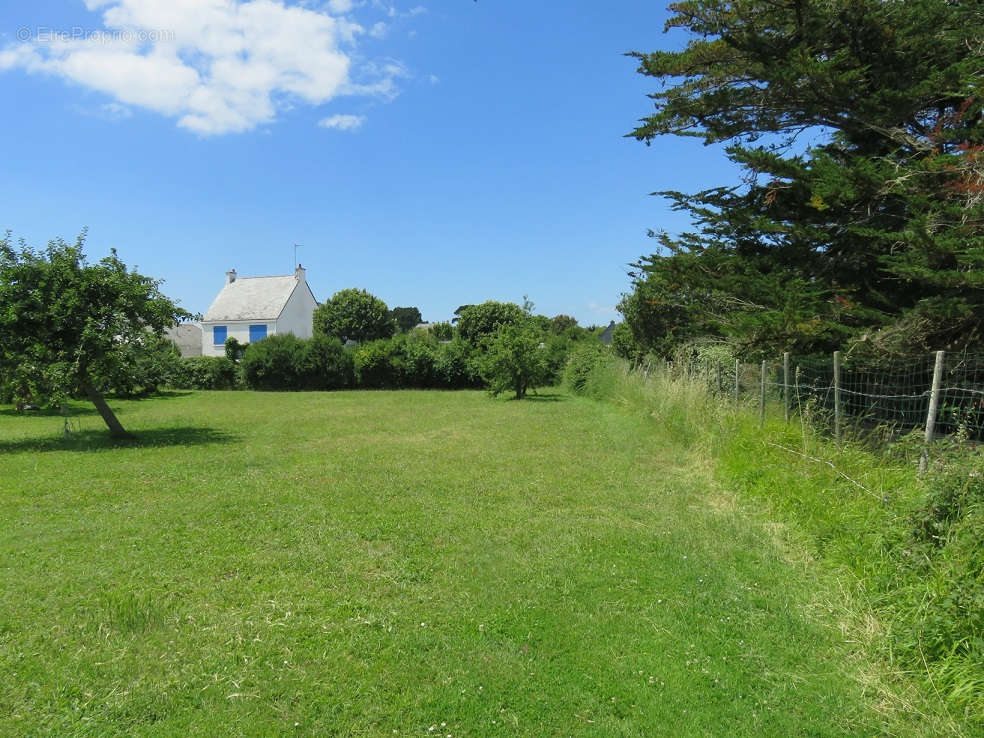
(899, 394)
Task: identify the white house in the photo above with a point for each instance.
(252, 308)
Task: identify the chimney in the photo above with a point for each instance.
(300, 273)
(230, 276)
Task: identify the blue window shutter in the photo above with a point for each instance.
(219, 333)
(257, 333)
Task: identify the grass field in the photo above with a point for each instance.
(403, 563)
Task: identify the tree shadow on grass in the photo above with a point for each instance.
(100, 440)
(546, 397)
(49, 412)
(76, 408)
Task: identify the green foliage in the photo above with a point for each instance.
(233, 349)
(406, 318)
(65, 322)
(205, 373)
(144, 366)
(516, 360)
(562, 323)
(406, 360)
(943, 619)
(379, 364)
(354, 314)
(326, 365)
(583, 362)
(455, 365)
(477, 323)
(911, 546)
(442, 331)
(624, 343)
(874, 233)
(285, 362)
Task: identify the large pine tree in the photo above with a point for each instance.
(873, 235)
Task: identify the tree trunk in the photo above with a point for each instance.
(116, 430)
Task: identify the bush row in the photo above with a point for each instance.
(411, 360)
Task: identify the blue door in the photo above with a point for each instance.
(257, 333)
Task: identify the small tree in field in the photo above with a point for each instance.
(65, 322)
(515, 360)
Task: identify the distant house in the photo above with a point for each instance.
(606, 336)
(187, 337)
(252, 308)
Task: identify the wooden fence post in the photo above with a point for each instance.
(785, 383)
(837, 395)
(737, 380)
(796, 384)
(934, 406)
(762, 398)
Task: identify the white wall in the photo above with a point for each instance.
(298, 314)
(296, 317)
(238, 329)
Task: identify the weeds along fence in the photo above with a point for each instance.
(940, 394)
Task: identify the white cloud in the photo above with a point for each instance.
(343, 122)
(434, 79)
(379, 30)
(115, 111)
(217, 66)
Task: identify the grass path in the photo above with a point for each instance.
(406, 563)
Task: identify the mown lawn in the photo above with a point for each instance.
(399, 563)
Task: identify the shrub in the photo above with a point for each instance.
(442, 331)
(205, 373)
(419, 353)
(325, 365)
(285, 362)
(233, 349)
(378, 364)
(582, 362)
(274, 363)
(144, 367)
(455, 365)
(515, 360)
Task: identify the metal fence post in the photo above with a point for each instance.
(934, 406)
(837, 395)
(785, 383)
(762, 398)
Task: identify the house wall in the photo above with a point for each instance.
(187, 337)
(238, 329)
(297, 316)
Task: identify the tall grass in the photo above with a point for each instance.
(907, 549)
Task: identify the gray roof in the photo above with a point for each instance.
(606, 336)
(187, 337)
(252, 298)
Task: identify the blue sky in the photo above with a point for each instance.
(434, 152)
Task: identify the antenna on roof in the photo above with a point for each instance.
(293, 265)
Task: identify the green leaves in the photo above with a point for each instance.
(882, 213)
(354, 314)
(64, 321)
